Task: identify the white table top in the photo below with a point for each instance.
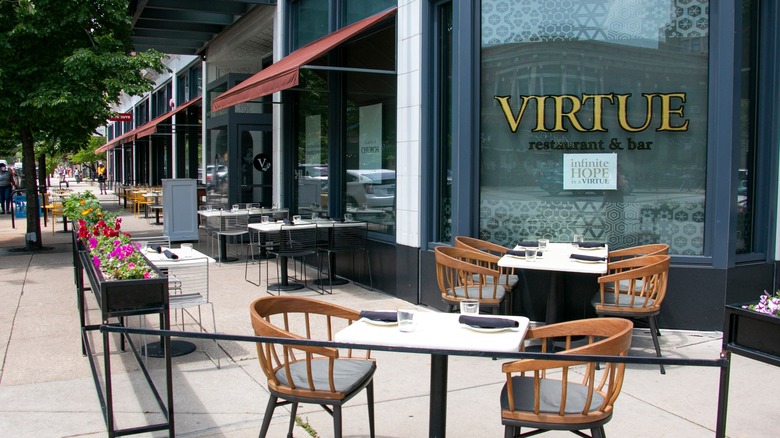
(439, 331)
(266, 227)
(251, 212)
(161, 261)
(556, 258)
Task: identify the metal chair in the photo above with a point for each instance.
(345, 238)
(294, 242)
(566, 395)
(231, 226)
(302, 374)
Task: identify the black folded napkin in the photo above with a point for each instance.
(590, 244)
(170, 255)
(288, 222)
(477, 321)
(156, 248)
(587, 258)
(378, 315)
(521, 253)
(530, 243)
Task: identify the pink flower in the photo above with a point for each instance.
(146, 275)
(130, 265)
(96, 261)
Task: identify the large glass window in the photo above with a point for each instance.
(747, 151)
(309, 21)
(443, 109)
(594, 121)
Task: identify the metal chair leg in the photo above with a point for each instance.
(654, 333)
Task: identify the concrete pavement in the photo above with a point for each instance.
(46, 388)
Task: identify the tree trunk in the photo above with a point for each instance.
(33, 237)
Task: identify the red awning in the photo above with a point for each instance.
(150, 127)
(284, 74)
(124, 138)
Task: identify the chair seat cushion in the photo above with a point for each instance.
(487, 291)
(549, 396)
(348, 374)
(624, 300)
(509, 280)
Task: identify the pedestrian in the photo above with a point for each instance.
(7, 185)
(101, 171)
(76, 175)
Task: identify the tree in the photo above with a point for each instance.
(87, 157)
(64, 63)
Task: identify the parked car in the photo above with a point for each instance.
(371, 187)
(220, 172)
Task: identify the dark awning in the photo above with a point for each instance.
(124, 138)
(284, 74)
(150, 127)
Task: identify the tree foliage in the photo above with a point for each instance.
(64, 63)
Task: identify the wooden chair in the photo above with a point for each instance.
(565, 395)
(463, 274)
(302, 374)
(54, 209)
(637, 251)
(508, 278)
(641, 285)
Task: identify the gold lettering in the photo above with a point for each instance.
(667, 110)
(623, 112)
(571, 115)
(598, 108)
(514, 122)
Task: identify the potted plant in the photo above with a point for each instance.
(753, 329)
(122, 279)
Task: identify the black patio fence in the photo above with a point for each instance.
(723, 362)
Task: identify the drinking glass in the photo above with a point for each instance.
(543, 244)
(348, 217)
(469, 307)
(406, 320)
(530, 253)
(265, 219)
(314, 216)
(296, 218)
(186, 250)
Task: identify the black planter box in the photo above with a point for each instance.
(752, 334)
(118, 298)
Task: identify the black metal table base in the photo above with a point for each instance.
(328, 282)
(178, 348)
(279, 287)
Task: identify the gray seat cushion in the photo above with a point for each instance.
(623, 300)
(348, 374)
(487, 291)
(549, 397)
(510, 280)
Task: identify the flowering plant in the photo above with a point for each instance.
(769, 304)
(112, 251)
(85, 206)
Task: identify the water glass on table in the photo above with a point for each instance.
(469, 307)
(543, 244)
(406, 320)
(530, 253)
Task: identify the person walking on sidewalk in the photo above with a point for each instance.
(6, 186)
(101, 171)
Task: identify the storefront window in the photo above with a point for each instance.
(216, 171)
(311, 109)
(594, 121)
(443, 231)
(747, 153)
(310, 21)
(356, 10)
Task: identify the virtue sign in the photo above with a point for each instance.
(589, 171)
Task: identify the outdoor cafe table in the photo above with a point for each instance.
(162, 262)
(437, 331)
(556, 260)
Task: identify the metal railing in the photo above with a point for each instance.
(723, 361)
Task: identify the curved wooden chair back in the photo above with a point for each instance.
(636, 251)
(309, 374)
(641, 282)
(568, 395)
(467, 274)
(508, 277)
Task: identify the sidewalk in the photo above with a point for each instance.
(46, 387)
